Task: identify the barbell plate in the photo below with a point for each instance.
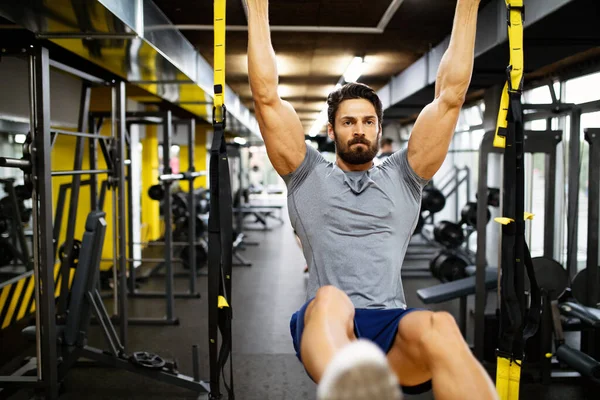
(550, 275)
(579, 286)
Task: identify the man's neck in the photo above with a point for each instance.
(352, 167)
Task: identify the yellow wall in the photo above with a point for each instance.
(151, 226)
(200, 154)
(63, 158)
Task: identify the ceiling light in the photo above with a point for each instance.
(285, 91)
(355, 69)
(20, 138)
(240, 141)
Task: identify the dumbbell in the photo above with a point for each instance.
(432, 200)
(469, 215)
(447, 266)
(156, 192)
(449, 234)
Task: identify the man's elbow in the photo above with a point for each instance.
(265, 97)
(264, 92)
(453, 96)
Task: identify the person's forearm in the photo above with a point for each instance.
(456, 67)
(262, 65)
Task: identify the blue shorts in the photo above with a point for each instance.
(379, 326)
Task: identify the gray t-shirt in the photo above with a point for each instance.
(355, 226)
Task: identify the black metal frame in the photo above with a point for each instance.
(590, 341)
(19, 239)
(37, 168)
(163, 118)
(544, 142)
(43, 248)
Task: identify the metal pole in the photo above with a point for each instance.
(65, 263)
(167, 127)
(129, 181)
(42, 200)
(456, 198)
(192, 206)
(590, 340)
(528, 195)
(573, 195)
(111, 179)
(121, 229)
(35, 221)
(20, 235)
(93, 164)
(79, 173)
(481, 260)
(549, 204)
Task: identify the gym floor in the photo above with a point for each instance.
(265, 366)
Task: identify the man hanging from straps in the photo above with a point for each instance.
(355, 335)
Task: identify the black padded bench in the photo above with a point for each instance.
(578, 360)
(459, 289)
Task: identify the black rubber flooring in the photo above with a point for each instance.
(265, 367)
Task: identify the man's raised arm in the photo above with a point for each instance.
(279, 124)
(434, 128)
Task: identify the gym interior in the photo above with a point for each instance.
(111, 139)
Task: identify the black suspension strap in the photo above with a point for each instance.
(220, 225)
(517, 324)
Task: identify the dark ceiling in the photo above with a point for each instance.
(310, 64)
(563, 44)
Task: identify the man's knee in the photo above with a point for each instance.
(443, 321)
(330, 296)
(420, 328)
(330, 302)
(442, 336)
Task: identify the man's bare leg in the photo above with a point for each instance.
(328, 327)
(430, 346)
(344, 368)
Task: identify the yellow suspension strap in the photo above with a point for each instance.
(516, 323)
(220, 224)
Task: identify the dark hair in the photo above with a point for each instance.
(387, 142)
(352, 91)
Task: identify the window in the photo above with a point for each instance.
(582, 89)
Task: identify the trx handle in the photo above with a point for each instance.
(220, 224)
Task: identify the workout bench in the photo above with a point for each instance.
(260, 213)
(459, 289)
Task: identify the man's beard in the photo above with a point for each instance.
(356, 155)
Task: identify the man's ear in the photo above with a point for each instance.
(330, 132)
